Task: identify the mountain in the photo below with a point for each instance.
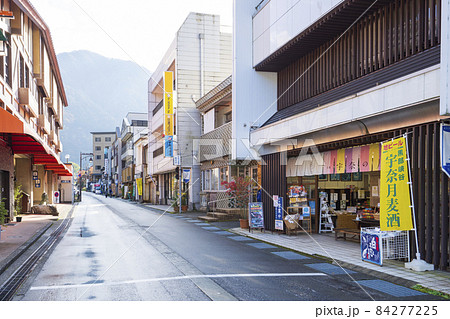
(100, 92)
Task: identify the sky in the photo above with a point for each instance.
(136, 30)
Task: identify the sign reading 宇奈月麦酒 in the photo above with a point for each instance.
(395, 197)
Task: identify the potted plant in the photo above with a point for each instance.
(184, 202)
(18, 194)
(238, 191)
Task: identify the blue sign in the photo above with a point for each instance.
(370, 248)
(168, 146)
(445, 148)
(279, 214)
(35, 175)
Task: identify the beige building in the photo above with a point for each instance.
(101, 141)
(32, 99)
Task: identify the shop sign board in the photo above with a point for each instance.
(37, 183)
(186, 175)
(35, 175)
(168, 146)
(395, 197)
(279, 214)
(371, 248)
(139, 186)
(256, 217)
(445, 148)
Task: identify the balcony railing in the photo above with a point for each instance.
(43, 123)
(158, 107)
(217, 143)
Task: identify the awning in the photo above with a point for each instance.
(22, 143)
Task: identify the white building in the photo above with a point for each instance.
(200, 58)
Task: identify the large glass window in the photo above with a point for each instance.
(215, 179)
(223, 177)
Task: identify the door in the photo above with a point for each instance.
(4, 188)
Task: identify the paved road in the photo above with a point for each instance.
(116, 250)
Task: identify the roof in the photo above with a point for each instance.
(209, 100)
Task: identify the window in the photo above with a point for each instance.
(139, 123)
(223, 177)
(107, 139)
(98, 167)
(98, 148)
(99, 157)
(98, 139)
(228, 117)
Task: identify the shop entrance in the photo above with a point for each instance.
(4, 189)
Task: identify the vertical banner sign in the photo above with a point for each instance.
(279, 214)
(445, 148)
(256, 215)
(168, 114)
(395, 198)
(139, 186)
(168, 146)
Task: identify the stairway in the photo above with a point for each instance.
(221, 214)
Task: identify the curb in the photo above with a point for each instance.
(23, 248)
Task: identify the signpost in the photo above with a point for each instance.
(279, 224)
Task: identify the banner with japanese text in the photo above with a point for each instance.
(168, 113)
(395, 198)
(139, 186)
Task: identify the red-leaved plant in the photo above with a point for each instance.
(238, 190)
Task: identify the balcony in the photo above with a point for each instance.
(43, 123)
(59, 147)
(53, 137)
(127, 153)
(217, 143)
(158, 107)
(27, 98)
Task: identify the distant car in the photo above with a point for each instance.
(98, 190)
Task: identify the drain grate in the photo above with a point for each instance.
(290, 255)
(390, 288)
(330, 269)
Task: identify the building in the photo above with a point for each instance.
(215, 149)
(32, 100)
(132, 124)
(199, 58)
(142, 183)
(116, 165)
(101, 145)
(317, 83)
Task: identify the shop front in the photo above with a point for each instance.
(340, 185)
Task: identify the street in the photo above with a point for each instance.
(118, 250)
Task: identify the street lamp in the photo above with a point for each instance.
(82, 156)
(67, 158)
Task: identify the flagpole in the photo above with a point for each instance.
(417, 264)
(408, 159)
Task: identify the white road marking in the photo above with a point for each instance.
(128, 282)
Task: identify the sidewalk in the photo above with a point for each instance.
(347, 254)
(17, 237)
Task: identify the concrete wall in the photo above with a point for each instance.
(254, 93)
(24, 176)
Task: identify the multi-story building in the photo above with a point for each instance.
(132, 124)
(215, 148)
(199, 59)
(116, 165)
(336, 78)
(142, 182)
(101, 143)
(32, 99)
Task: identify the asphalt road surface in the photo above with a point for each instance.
(117, 250)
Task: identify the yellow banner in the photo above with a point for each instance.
(168, 92)
(168, 124)
(139, 186)
(374, 158)
(340, 161)
(395, 198)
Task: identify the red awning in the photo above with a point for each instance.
(22, 143)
